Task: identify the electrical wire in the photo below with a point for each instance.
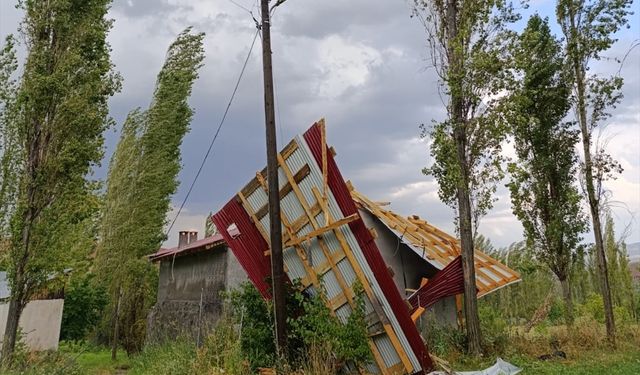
(215, 136)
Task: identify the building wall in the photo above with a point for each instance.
(236, 275)
(40, 323)
(405, 263)
(409, 266)
(189, 295)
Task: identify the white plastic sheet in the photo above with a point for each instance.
(499, 368)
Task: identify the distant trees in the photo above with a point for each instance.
(589, 27)
(53, 122)
(142, 177)
(543, 179)
(468, 41)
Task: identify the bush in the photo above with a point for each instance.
(592, 307)
(84, 303)
(494, 330)
(254, 316)
(556, 312)
(312, 328)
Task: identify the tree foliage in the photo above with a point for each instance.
(469, 42)
(543, 184)
(56, 119)
(142, 178)
(589, 27)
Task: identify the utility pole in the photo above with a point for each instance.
(277, 268)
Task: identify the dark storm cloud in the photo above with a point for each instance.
(140, 8)
(360, 64)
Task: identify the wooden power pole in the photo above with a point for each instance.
(277, 268)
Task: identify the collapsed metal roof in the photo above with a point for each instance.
(326, 246)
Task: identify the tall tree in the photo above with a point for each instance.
(142, 177)
(10, 145)
(589, 27)
(619, 272)
(60, 115)
(543, 185)
(468, 41)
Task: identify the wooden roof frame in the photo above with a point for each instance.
(438, 247)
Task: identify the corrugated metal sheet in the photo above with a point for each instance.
(302, 153)
(343, 312)
(387, 352)
(447, 282)
(248, 247)
(381, 280)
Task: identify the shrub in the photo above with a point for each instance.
(84, 303)
(221, 352)
(253, 314)
(312, 328)
(592, 307)
(494, 330)
(556, 312)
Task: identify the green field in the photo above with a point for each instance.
(593, 362)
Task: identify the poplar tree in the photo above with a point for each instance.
(58, 115)
(468, 42)
(543, 185)
(619, 272)
(589, 27)
(142, 178)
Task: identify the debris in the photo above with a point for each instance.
(499, 368)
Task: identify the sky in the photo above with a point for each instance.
(364, 66)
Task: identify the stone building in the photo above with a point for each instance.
(192, 277)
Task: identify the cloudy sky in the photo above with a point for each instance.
(361, 64)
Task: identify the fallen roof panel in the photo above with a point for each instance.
(326, 246)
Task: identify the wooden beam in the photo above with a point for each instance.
(320, 231)
(286, 189)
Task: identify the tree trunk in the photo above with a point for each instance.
(594, 200)
(116, 326)
(11, 330)
(464, 201)
(568, 301)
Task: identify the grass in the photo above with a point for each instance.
(98, 362)
(619, 362)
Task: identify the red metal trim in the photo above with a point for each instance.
(447, 282)
(248, 246)
(338, 187)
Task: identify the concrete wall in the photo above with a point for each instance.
(236, 275)
(40, 323)
(409, 266)
(405, 263)
(182, 284)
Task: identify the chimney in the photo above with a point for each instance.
(183, 238)
(193, 236)
(186, 237)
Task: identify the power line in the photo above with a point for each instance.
(215, 136)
